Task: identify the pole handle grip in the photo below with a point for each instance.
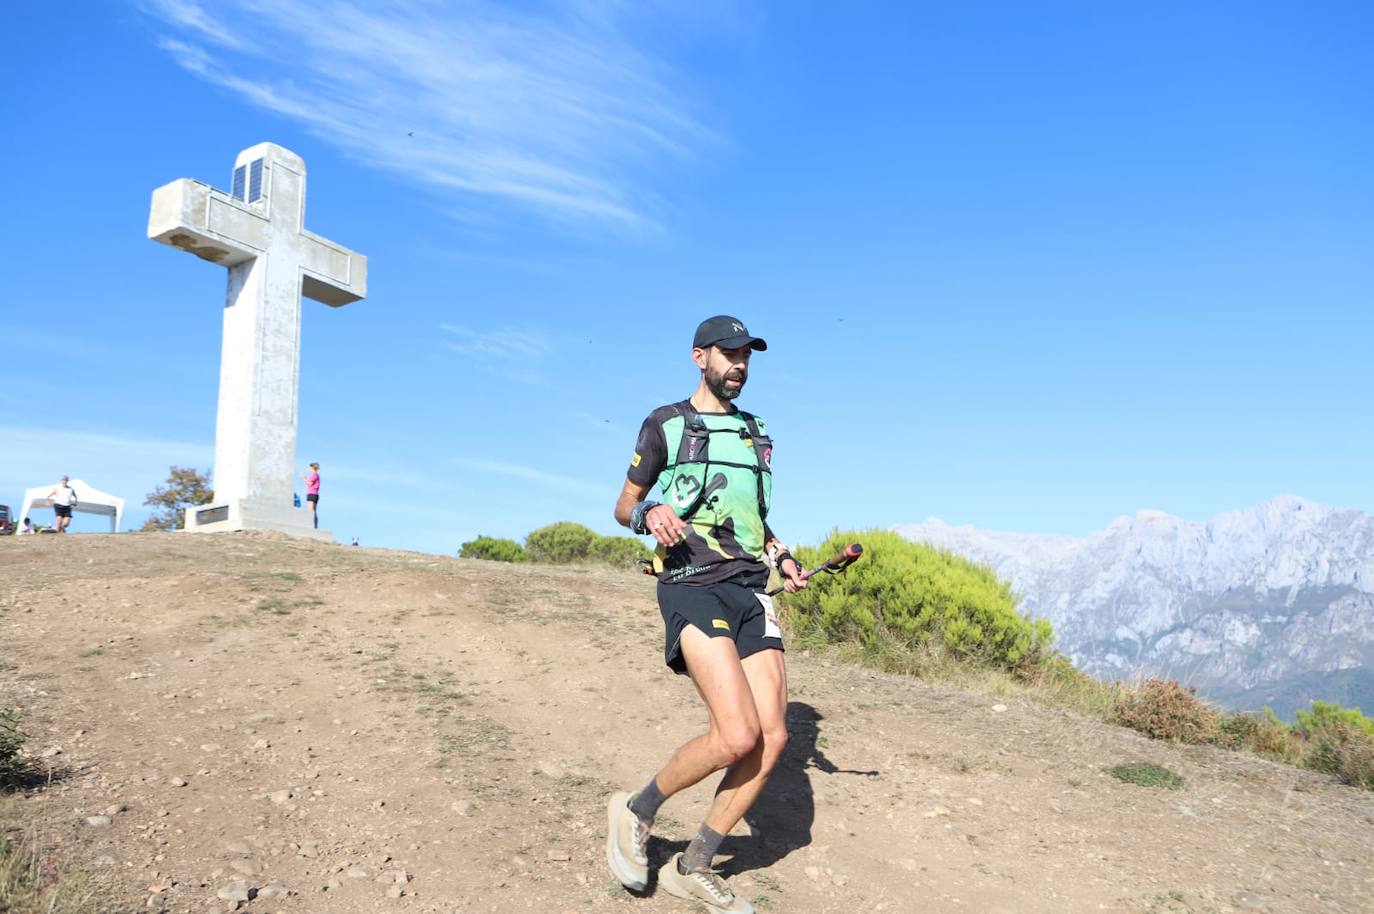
(839, 562)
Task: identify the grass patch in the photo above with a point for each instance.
(274, 606)
(289, 576)
(33, 882)
(1146, 774)
(6, 666)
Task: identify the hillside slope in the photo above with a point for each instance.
(318, 719)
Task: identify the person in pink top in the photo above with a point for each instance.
(312, 491)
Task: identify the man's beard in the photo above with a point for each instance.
(716, 383)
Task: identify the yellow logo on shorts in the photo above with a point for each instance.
(720, 623)
(634, 461)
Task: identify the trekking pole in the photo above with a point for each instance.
(836, 565)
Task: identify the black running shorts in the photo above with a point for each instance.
(313, 496)
(62, 510)
(721, 610)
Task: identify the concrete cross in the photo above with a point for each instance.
(257, 230)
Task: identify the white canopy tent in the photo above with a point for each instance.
(89, 500)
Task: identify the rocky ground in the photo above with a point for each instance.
(242, 722)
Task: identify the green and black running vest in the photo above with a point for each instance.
(719, 479)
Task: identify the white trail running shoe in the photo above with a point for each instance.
(627, 843)
(705, 887)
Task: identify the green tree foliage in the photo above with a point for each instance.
(1326, 715)
(493, 549)
(185, 487)
(562, 543)
(919, 596)
(618, 551)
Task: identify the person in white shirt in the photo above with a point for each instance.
(24, 528)
(63, 498)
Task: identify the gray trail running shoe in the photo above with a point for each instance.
(627, 843)
(701, 886)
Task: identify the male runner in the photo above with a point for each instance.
(63, 498)
(713, 464)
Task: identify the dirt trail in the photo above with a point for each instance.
(348, 730)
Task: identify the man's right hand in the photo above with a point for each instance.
(665, 526)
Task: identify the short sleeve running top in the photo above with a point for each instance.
(725, 526)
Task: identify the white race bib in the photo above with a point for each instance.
(770, 617)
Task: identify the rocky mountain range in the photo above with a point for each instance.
(1272, 605)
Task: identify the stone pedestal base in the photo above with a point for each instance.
(226, 517)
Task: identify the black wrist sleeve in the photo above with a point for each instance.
(637, 515)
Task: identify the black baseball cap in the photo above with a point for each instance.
(727, 333)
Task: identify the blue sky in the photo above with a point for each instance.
(1025, 266)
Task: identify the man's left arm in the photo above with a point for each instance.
(782, 558)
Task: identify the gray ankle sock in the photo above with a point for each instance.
(645, 804)
(702, 850)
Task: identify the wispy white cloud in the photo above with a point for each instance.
(189, 15)
(553, 108)
(506, 343)
(536, 476)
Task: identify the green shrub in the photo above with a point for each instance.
(560, 544)
(1263, 734)
(11, 741)
(618, 551)
(1163, 709)
(918, 596)
(1327, 714)
(493, 549)
(1146, 774)
(1343, 750)
(1339, 741)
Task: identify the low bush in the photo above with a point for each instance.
(617, 551)
(1164, 709)
(560, 544)
(1263, 734)
(918, 597)
(1339, 741)
(1344, 751)
(493, 549)
(11, 741)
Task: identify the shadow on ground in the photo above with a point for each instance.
(781, 819)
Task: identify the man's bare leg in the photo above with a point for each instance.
(733, 734)
(734, 731)
(740, 788)
(747, 704)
